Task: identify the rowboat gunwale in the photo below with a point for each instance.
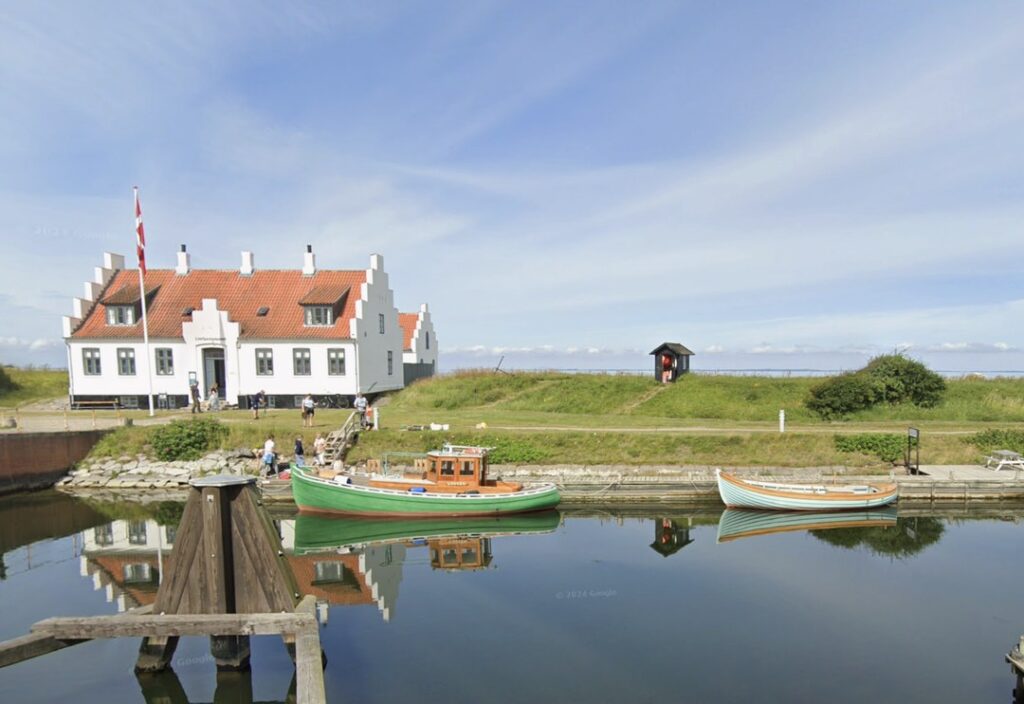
(807, 498)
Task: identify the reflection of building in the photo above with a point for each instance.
(670, 536)
(125, 558)
(348, 576)
(464, 554)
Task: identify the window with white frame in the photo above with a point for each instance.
(428, 339)
(391, 363)
(264, 362)
(120, 315)
(336, 362)
(300, 361)
(164, 361)
(91, 361)
(125, 361)
(380, 322)
(319, 315)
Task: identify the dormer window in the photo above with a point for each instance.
(121, 315)
(319, 315)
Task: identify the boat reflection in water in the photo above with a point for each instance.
(736, 523)
(352, 561)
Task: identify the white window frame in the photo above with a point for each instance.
(264, 361)
(319, 316)
(121, 315)
(380, 322)
(336, 361)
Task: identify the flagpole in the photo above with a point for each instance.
(141, 243)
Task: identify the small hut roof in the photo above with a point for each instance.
(673, 347)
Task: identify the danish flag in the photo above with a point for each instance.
(140, 234)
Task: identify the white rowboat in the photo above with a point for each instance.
(745, 493)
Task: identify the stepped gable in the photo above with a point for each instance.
(408, 322)
(242, 296)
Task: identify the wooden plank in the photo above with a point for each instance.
(182, 557)
(272, 573)
(216, 557)
(309, 670)
(31, 646)
(175, 625)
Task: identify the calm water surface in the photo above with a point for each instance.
(588, 607)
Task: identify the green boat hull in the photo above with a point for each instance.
(313, 494)
(319, 533)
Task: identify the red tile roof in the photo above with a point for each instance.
(241, 296)
(408, 322)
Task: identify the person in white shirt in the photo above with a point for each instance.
(269, 448)
(320, 449)
(308, 409)
(360, 406)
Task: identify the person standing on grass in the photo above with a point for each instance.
(269, 455)
(193, 388)
(300, 452)
(214, 397)
(257, 400)
(360, 405)
(320, 449)
(308, 409)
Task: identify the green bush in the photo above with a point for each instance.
(890, 378)
(905, 380)
(186, 439)
(842, 395)
(998, 439)
(886, 446)
(6, 383)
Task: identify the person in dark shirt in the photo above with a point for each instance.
(300, 453)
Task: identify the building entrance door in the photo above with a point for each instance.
(213, 371)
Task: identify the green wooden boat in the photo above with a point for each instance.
(320, 533)
(452, 483)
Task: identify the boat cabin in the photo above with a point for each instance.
(458, 465)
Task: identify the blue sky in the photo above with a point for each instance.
(785, 184)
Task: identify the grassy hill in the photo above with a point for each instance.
(31, 385)
(694, 397)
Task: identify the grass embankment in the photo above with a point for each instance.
(584, 419)
(31, 385)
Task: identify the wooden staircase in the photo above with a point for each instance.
(339, 441)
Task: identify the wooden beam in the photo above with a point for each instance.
(31, 646)
(175, 625)
(309, 669)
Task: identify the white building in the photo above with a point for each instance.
(329, 333)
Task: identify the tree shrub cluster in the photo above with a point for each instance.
(187, 439)
(887, 447)
(6, 383)
(998, 439)
(891, 379)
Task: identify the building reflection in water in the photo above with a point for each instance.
(125, 559)
(671, 535)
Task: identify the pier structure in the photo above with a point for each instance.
(228, 579)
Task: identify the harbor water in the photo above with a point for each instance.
(680, 604)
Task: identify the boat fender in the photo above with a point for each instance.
(341, 479)
(417, 490)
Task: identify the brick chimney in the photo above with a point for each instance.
(248, 265)
(184, 262)
(309, 262)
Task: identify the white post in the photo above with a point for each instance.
(782, 420)
(376, 417)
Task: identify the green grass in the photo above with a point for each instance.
(34, 385)
(548, 418)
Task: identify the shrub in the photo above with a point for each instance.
(842, 395)
(886, 446)
(906, 380)
(186, 439)
(6, 383)
(998, 439)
